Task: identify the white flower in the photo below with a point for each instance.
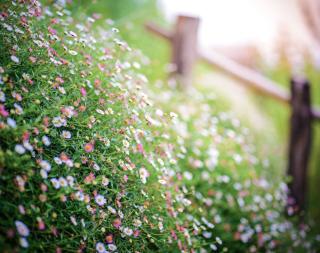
(46, 141)
(44, 173)
(62, 90)
(27, 145)
(213, 247)
(73, 34)
(112, 210)
(63, 182)
(11, 122)
(23, 242)
(137, 223)
(59, 122)
(72, 52)
(69, 163)
(73, 220)
(112, 247)
(105, 181)
(100, 247)
(160, 226)
(19, 149)
(79, 196)
(218, 240)
(2, 96)
(57, 160)
(100, 111)
(70, 180)
(14, 58)
(126, 144)
(69, 111)
(55, 182)
(45, 165)
(143, 175)
(188, 175)
(100, 200)
(18, 108)
(128, 231)
(22, 228)
(237, 158)
(96, 166)
(207, 234)
(66, 134)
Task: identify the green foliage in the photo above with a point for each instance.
(79, 163)
(89, 163)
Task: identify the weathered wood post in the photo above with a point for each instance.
(184, 48)
(300, 142)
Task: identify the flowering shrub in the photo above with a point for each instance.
(231, 186)
(88, 164)
(81, 169)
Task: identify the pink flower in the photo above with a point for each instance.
(117, 223)
(59, 79)
(140, 148)
(109, 238)
(136, 233)
(89, 178)
(41, 225)
(3, 111)
(32, 59)
(83, 92)
(88, 147)
(52, 31)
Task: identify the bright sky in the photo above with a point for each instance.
(234, 22)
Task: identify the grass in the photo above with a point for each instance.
(130, 18)
(89, 161)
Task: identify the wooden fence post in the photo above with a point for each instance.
(184, 48)
(300, 143)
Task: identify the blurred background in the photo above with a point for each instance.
(275, 38)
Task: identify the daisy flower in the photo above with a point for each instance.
(63, 182)
(45, 165)
(88, 147)
(19, 149)
(69, 163)
(117, 223)
(44, 173)
(15, 59)
(27, 145)
(11, 123)
(59, 122)
(2, 96)
(100, 247)
(143, 175)
(70, 180)
(100, 200)
(57, 160)
(105, 181)
(46, 141)
(112, 247)
(128, 231)
(22, 228)
(79, 196)
(66, 134)
(55, 182)
(96, 166)
(23, 242)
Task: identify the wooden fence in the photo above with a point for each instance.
(185, 52)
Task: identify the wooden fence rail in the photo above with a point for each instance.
(183, 42)
(246, 76)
